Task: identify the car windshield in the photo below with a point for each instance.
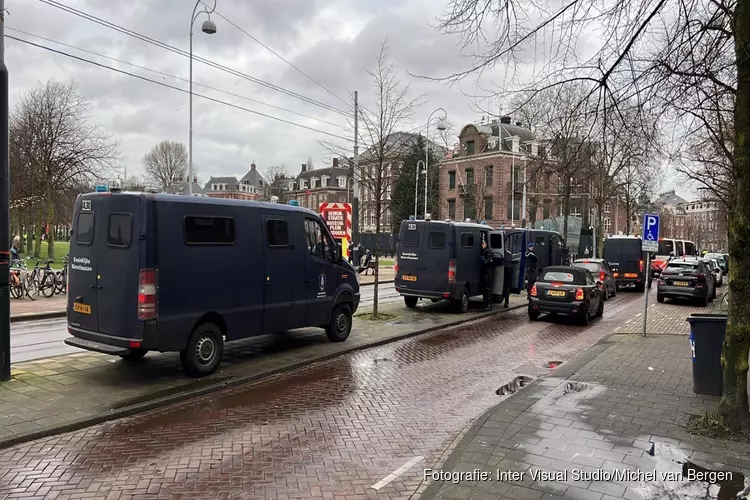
(594, 267)
(559, 276)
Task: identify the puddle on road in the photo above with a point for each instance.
(514, 385)
(680, 479)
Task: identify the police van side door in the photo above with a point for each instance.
(321, 270)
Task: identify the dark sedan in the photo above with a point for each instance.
(601, 271)
(567, 290)
(686, 279)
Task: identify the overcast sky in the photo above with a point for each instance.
(333, 41)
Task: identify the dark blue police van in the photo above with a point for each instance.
(159, 272)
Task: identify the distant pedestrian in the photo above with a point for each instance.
(487, 266)
(15, 250)
(507, 276)
(532, 261)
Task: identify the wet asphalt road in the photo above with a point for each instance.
(42, 339)
(361, 426)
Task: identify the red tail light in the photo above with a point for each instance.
(640, 264)
(533, 290)
(701, 277)
(602, 276)
(147, 294)
(579, 294)
(452, 271)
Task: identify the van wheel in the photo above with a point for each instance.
(411, 302)
(660, 298)
(204, 350)
(462, 304)
(134, 355)
(341, 323)
(534, 315)
(600, 309)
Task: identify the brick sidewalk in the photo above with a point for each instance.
(64, 390)
(666, 318)
(602, 411)
(26, 306)
(385, 274)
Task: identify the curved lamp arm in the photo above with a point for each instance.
(205, 10)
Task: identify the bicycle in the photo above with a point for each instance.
(16, 280)
(45, 277)
(724, 304)
(28, 283)
(61, 277)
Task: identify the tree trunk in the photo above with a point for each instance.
(378, 205)
(566, 210)
(628, 216)
(21, 231)
(532, 208)
(599, 233)
(38, 229)
(51, 223)
(734, 358)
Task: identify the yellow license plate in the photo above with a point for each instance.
(631, 275)
(406, 277)
(81, 308)
(556, 293)
(680, 283)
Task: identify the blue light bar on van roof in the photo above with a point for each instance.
(101, 188)
(294, 203)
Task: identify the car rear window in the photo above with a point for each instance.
(120, 230)
(209, 230)
(85, 228)
(594, 267)
(411, 239)
(684, 266)
(559, 276)
(436, 239)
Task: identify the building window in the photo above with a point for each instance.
(470, 209)
(470, 147)
(488, 208)
(607, 208)
(388, 193)
(324, 182)
(452, 209)
(488, 175)
(469, 176)
(575, 207)
(517, 178)
(452, 180)
(514, 208)
(607, 225)
(546, 209)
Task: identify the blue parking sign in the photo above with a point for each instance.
(650, 235)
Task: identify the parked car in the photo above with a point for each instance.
(723, 263)
(714, 265)
(601, 271)
(566, 290)
(686, 279)
(627, 261)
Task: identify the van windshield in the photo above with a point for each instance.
(666, 247)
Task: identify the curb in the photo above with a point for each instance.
(130, 410)
(19, 318)
(564, 371)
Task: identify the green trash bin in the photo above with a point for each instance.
(706, 342)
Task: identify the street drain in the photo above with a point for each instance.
(553, 364)
(575, 387)
(514, 385)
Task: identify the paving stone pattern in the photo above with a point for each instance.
(56, 391)
(26, 306)
(332, 430)
(610, 424)
(668, 317)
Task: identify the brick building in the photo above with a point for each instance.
(705, 224)
(323, 185)
(249, 187)
(484, 178)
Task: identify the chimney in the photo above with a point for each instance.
(252, 166)
(335, 163)
(304, 168)
(505, 120)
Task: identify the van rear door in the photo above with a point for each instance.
(435, 257)
(118, 264)
(83, 306)
(410, 246)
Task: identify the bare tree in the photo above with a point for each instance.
(385, 144)
(58, 148)
(167, 163)
(276, 184)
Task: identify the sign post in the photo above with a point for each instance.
(338, 217)
(649, 243)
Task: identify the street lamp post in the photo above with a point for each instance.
(416, 186)
(208, 27)
(441, 126)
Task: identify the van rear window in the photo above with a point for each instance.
(496, 240)
(436, 239)
(120, 230)
(411, 239)
(209, 230)
(85, 228)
